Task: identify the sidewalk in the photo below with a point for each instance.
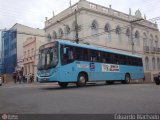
(12, 84)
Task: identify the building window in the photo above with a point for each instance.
(158, 63)
(94, 25)
(147, 63)
(74, 26)
(156, 38)
(73, 29)
(118, 34)
(25, 54)
(67, 30)
(108, 32)
(145, 39)
(128, 35)
(153, 63)
(49, 37)
(156, 46)
(145, 43)
(60, 33)
(25, 69)
(156, 43)
(32, 52)
(151, 42)
(28, 53)
(29, 69)
(54, 35)
(14, 34)
(137, 38)
(94, 30)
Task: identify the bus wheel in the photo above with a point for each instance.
(82, 79)
(127, 79)
(63, 84)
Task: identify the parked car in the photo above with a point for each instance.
(157, 80)
(0, 80)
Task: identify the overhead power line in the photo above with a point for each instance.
(155, 19)
(83, 38)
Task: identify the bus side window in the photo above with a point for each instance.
(93, 55)
(70, 53)
(63, 55)
(89, 55)
(99, 56)
(103, 57)
(78, 53)
(108, 57)
(117, 59)
(85, 54)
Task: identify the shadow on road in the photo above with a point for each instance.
(73, 86)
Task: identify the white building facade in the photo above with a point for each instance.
(105, 27)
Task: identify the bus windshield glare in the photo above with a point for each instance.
(48, 56)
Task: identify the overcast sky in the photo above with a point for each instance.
(33, 12)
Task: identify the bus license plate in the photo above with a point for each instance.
(45, 79)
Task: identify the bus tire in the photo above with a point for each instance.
(127, 79)
(81, 80)
(63, 84)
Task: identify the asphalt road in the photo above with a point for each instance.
(92, 99)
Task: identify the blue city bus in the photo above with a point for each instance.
(67, 62)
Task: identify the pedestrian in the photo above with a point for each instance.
(14, 77)
(17, 76)
(32, 78)
(20, 78)
(21, 75)
(25, 78)
(24, 81)
(28, 78)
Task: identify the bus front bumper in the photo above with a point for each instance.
(45, 80)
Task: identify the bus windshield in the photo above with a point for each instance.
(48, 57)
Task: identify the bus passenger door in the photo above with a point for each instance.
(67, 64)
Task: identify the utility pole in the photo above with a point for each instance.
(132, 42)
(76, 28)
(132, 39)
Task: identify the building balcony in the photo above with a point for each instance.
(152, 50)
(158, 50)
(146, 49)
